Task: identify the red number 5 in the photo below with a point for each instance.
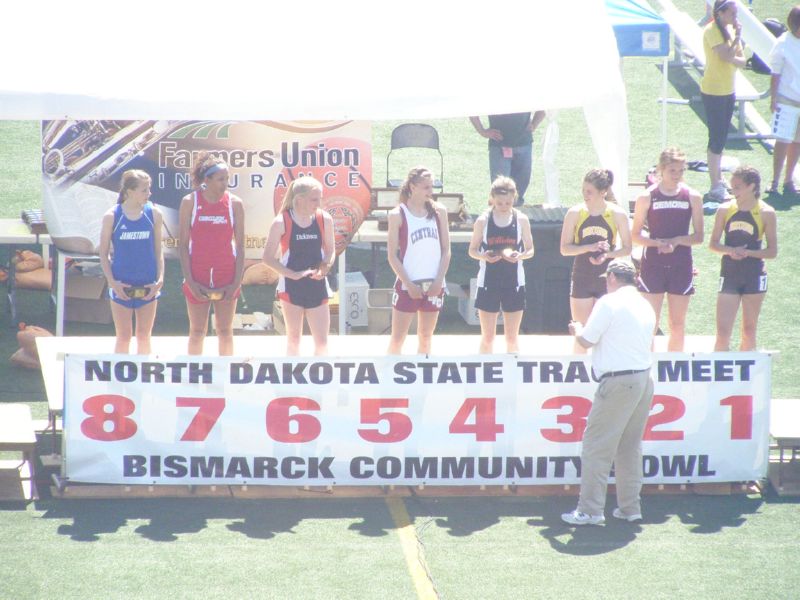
(399, 423)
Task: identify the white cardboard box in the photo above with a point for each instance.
(86, 298)
(356, 303)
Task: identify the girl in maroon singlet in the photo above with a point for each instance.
(668, 210)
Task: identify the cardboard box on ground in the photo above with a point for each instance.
(86, 294)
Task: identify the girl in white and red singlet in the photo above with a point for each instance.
(418, 247)
(211, 249)
(301, 249)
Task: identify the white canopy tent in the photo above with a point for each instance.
(315, 60)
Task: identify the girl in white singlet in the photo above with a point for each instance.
(419, 253)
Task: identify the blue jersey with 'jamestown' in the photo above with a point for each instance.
(134, 258)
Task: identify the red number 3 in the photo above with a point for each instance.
(121, 428)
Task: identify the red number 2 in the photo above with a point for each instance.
(672, 409)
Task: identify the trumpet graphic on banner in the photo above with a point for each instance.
(92, 151)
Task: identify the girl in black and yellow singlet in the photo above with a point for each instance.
(740, 228)
(594, 232)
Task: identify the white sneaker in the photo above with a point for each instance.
(618, 514)
(717, 193)
(576, 517)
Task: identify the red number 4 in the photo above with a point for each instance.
(485, 427)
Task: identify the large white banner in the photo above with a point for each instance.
(398, 420)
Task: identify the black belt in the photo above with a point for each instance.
(618, 373)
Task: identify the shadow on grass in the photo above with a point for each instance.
(704, 514)
(781, 202)
(170, 518)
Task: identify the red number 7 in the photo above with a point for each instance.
(209, 410)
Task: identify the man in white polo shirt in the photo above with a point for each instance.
(620, 333)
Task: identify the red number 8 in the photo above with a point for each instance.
(122, 427)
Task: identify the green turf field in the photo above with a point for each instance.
(688, 546)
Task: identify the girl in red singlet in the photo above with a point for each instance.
(304, 235)
(211, 248)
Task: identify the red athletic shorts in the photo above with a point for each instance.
(405, 303)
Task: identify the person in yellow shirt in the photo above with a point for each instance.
(722, 42)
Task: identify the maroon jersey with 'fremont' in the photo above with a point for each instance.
(668, 217)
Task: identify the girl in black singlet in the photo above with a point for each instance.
(302, 233)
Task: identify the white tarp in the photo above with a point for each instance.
(392, 420)
(315, 60)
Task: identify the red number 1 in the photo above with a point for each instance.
(741, 416)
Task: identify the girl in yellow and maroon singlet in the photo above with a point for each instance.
(745, 222)
(590, 233)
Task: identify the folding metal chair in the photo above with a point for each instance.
(415, 135)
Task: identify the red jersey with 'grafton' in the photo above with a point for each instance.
(212, 251)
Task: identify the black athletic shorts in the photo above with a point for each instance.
(495, 300)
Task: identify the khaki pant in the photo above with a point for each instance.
(614, 435)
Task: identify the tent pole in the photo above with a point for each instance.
(664, 84)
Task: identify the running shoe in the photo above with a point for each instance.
(576, 517)
(618, 514)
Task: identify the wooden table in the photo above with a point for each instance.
(784, 428)
(17, 434)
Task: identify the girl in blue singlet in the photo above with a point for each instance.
(740, 228)
(132, 261)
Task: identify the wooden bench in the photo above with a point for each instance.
(784, 427)
(17, 434)
(689, 51)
